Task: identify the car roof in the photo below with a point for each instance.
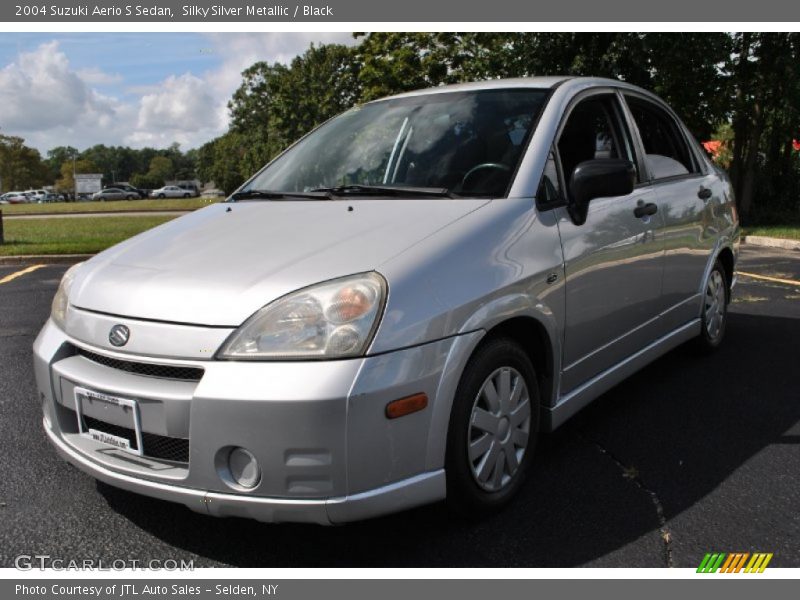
(548, 82)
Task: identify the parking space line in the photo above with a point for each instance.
(772, 279)
(25, 271)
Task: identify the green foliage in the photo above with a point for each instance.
(21, 167)
(277, 104)
(66, 183)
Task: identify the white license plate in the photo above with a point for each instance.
(126, 406)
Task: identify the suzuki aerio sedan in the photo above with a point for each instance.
(388, 313)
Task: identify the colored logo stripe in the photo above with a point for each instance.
(734, 562)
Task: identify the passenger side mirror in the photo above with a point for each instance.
(598, 178)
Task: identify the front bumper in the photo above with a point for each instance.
(327, 452)
(414, 491)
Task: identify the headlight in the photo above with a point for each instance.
(59, 310)
(335, 319)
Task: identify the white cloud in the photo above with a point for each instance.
(182, 103)
(95, 76)
(40, 92)
(50, 103)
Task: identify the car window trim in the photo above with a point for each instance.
(574, 101)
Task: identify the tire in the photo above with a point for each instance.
(129, 197)
(161, 196)
(186, 195)
(476, 486)
(714, 313)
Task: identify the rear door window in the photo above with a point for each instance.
(666, 152)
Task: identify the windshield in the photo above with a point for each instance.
(467, 143)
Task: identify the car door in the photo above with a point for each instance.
(687, 193)
(614, 261)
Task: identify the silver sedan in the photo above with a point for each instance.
(170, 191)
(390, 312)
(113, 194)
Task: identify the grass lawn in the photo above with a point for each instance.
(118, 205)
(80, 235)
(786, 232)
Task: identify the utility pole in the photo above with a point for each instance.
(74, 180)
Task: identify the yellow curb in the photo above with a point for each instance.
(772, 279)
(13, 276)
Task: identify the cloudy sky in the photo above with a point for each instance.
(137, 89)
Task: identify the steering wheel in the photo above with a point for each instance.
(482, 166)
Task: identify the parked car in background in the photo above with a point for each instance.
(36, 195)
(213, 193)
(114, 194)
(170, 191)
(14, 198)
(53, 197)
(391, 311)
(190, 187)
(129, 188)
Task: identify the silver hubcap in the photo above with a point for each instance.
(499, 428)
(715, 304)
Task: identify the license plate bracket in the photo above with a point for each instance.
(105, 437)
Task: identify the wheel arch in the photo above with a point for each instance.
(533, 330)
(726, 254)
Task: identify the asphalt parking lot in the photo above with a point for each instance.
(691, 455)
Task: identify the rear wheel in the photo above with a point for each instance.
(493, 427)
(714, 317)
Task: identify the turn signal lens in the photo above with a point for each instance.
(406, 406)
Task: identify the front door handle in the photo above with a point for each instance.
(704, 193)
(645, 210)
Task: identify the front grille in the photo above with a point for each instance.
(154, 446)
(145, 369)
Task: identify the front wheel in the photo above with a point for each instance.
(714, 317)
(493, 427)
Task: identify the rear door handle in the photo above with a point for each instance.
(704, 193)
(645, 210)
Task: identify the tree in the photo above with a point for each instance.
(161, 168)
(765, 84)
(229, 152)
(66, 184)
(21, 167)
(277, 104)
(56, 157)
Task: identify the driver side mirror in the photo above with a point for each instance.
(598, 178)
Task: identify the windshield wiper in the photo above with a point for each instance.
(278, 195)
(386, 190)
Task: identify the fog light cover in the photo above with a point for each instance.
(243, 468)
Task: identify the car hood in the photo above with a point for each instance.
(218, 265)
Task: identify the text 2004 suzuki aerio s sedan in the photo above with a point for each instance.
(389, 312)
